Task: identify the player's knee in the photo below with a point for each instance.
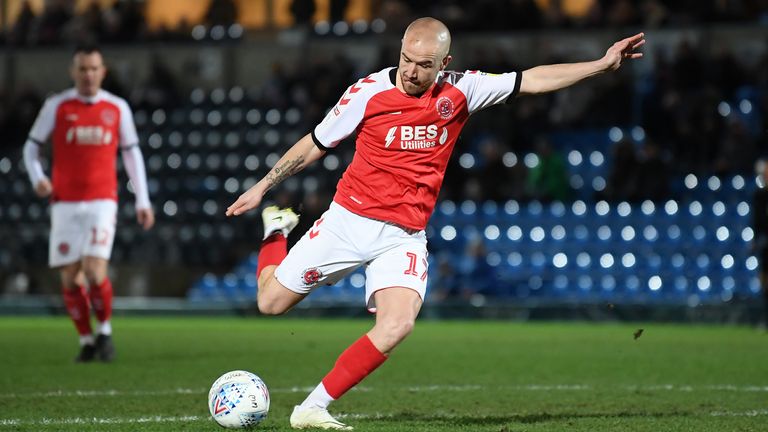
(267, 307)
(94, 270)
(267, 303)
(398, 329)
(93, 276)
(68, 275)
(69, 285)
(405, 328)
(272, 298)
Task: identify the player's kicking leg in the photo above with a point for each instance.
(272, 297)
(397, 308)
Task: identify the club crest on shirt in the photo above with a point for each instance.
(63, 248)
(444, 107)
(108, 117)
(312, 276)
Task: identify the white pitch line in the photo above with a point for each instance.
(690, 388)
(449, 416)
(414, 389)
(102, 393)
(96, 420)
(752, 413)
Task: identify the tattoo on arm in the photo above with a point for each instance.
(287, 169)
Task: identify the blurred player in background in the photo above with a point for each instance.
(407, 121)
(760, 225)
(87, 126)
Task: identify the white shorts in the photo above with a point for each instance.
(80, 229)
(341, 241)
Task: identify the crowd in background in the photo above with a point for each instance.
(558, 14)
(124, 21)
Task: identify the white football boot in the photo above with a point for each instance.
(315, 418)
(277, 219)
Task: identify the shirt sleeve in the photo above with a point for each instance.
(483, 89)
(128, 135)
(343, 118)
(45, 121)
(31, 154)
(134, 166)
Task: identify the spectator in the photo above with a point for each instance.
(221, 12)
(124, 21)
(92, 22)
(303, 11)
(53, 21)
(22, 29)
(338, 9)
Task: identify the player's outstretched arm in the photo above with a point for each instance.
(302, 154)
(543, 79)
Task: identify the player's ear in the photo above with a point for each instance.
(447, 59)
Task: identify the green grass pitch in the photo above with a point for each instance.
(448, 376)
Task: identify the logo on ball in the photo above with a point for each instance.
(238, 399)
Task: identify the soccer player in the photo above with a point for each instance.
(407, 120)
(87, 125)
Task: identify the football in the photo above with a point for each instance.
(238, 399)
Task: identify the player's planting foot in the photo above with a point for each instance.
(315, 418)
(87, 354)
(277, 219)
(104, 348)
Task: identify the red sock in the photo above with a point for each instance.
(101, 300)
(354, 364)
(273, 250)
(76, 303)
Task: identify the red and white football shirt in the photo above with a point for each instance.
(86, 134)
(404, 142)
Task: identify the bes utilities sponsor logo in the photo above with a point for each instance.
(416, 137)
(89, 135)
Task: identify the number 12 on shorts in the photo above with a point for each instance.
(100, 237)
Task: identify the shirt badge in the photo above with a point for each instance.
(444, 108)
